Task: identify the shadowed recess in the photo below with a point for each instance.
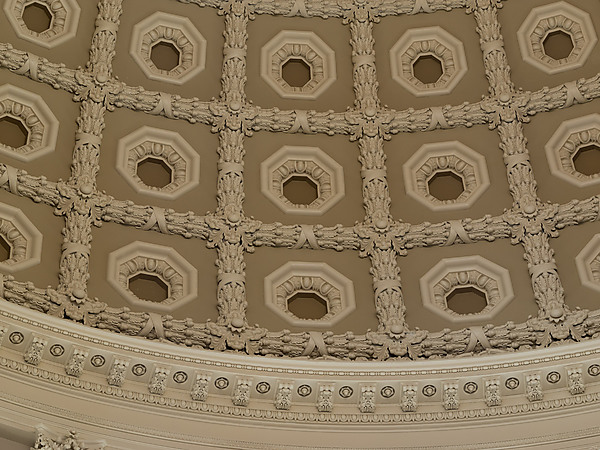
(300, 190)
(558, 45)
(587, 160)
(466, 300)
(446, 186)
(154, 172)
(12, 132)
(148, 287)
(37, 17)
(5, 249)
(295, 72)
(427, 69)
(307, 305)
(165, 55)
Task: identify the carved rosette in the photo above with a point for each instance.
(430, 42)
(319, 279)
(34, 116)
(310, 163)
(588, 264)
(23, 238)
(164, 263)
(572, 137)
(450, 157)
(166, 147)
(177, 31)
(548, 19)
(63, 24)
(466, 272)
(302, 46)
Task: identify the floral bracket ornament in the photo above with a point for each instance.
(301, 47)
(62, 24)
(176, 32)
(309, 164)
(471, 272)
(34, 118)
(164, 147)
(318, 279)
(546, 21)
(450, 158)
(571, 139)
(157, 262)
(22, 237)
(439, 47)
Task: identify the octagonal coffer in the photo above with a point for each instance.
(45, 22)
(302, 180)
(20, 240)
(309, 294)
(446, 176)
(588, 264)
(159, 274)
(428, 61)
(557, 37)
(298, 64)
(168, 48)
(158, 162)
(573, 151)
(29, 129)
(466, 288)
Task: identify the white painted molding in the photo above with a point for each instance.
(176, 30)
(588, 264)
(159, 261)
(559, 16)
(311, 162)
(466, 271)
(564, 144)
(429, 41)
(63, 26)
(31, 110)
(308, 47)
(309, 277)
(167, 146)
(24, 238)
(449, 156)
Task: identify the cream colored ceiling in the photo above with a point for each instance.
(261, 145)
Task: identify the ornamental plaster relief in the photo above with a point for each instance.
(556, 17)
(431, 42)
(301, 47)
(23, 238)
(319, 279)
(148, 144)
(568, 141)
(35, 117)
(178, 32)
(158, 262)
(302, 163)
(64, 19)
(443, 158)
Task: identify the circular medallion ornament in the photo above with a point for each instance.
(387, 391)
(470, 387)
(57, 350)
(594, 370)
(180, 377)
(263, 387)
(221, 383)
(553, 377)
(346, 392)
(429, 390)
(304, 390)
(512, 383)
(138, 370)
(16, 337)
(98, 360)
